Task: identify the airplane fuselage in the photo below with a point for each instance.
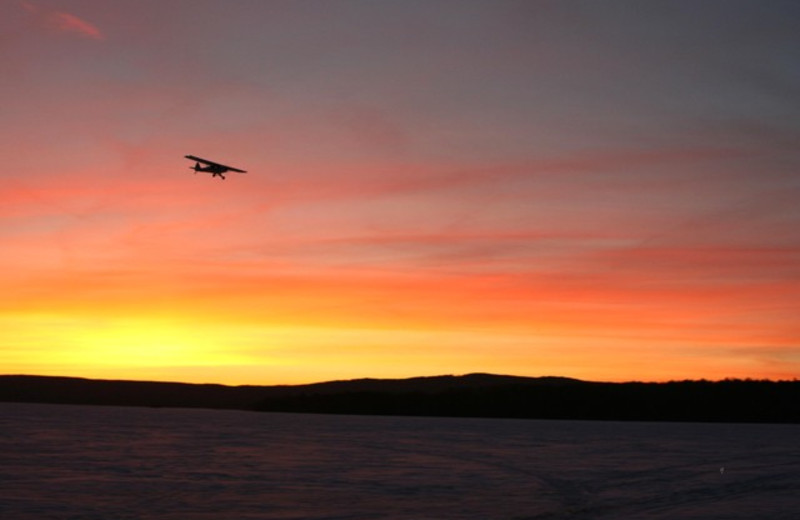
(213, 169)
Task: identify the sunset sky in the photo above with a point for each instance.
(607, 190)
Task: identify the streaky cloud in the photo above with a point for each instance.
(70, 23)
(63, 22)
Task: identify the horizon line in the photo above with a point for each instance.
(367, 378)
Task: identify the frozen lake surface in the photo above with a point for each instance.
(109, 463)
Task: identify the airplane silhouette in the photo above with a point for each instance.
(215, 169)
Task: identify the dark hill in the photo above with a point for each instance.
(75, 390)
(472, 395)
(428, 384)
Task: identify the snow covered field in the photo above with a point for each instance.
(109, 463)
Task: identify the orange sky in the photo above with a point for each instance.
(535, 188)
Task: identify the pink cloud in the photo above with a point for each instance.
(69, 23)
(63, 22)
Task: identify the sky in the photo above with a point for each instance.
(600, 190)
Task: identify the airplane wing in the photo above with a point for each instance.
(212, 163)
(200, 159)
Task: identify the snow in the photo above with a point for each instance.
(93, 463)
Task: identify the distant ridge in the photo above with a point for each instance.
(432, 383)
(78, 390)
(470, 395)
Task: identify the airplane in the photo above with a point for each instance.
(215, 169)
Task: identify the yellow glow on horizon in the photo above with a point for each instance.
(145, 342)
(78, 341)
(198, 347)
